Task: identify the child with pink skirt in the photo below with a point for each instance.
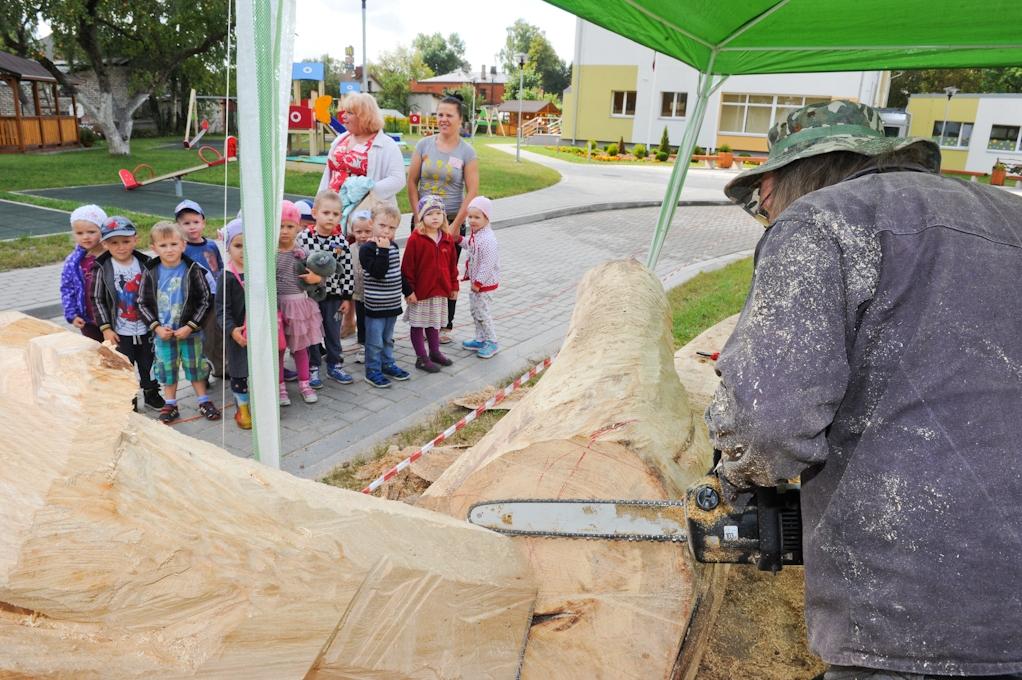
(303, 325)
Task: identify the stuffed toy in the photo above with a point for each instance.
(319, 262)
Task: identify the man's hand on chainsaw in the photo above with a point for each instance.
(730, 490)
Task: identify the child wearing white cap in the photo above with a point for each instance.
(76, 276)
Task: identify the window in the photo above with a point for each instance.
(1004, 138)
(623, 103)
(673, 104)
(952, 133)
(755, 114)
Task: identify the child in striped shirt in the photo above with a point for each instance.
(381, 297)
(482, 268)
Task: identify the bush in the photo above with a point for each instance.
(612, 149)
(392, 124)
(662, 155)
(665, 143)
(592, 144)
(86, 136)
(639, 151)
(724, 148)
(698, 151)
(621, 145)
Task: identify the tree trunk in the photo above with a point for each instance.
(611, 420)
(128, 550)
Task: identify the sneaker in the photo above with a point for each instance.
(377, 379)
(153, 399)
(396, 372)
(314, 381)
(439, 358)
(284, 399)
(445, 336)
(337, 373)
(289, 375)
(488, 349)
(308, 394)
(360, 357)
(210, 378)
(209, 411)
(473, 344)
(424, 364)
(169, 414)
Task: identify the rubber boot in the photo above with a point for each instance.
(243, 417)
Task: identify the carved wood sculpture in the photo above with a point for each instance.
(609, 420)
(128, 550)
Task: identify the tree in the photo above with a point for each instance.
(18, 22)
(154, 44)
(395, 71)
(979, 80)
(532, 81)
(522, 37)
(442, 56)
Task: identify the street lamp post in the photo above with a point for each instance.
(365, 66)
(950, 91)
(520, 58)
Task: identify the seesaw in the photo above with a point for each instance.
(130, 181)
(203, 129)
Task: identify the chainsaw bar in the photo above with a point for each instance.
(619, 520)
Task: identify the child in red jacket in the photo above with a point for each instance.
(430, 271)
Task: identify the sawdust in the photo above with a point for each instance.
(405, 486)
(760, 632)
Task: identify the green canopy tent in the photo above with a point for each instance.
(798, 36)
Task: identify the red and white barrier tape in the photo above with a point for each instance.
(449, 432)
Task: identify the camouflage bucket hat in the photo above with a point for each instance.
(816, 129)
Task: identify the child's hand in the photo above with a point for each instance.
(475, 287)
(183, 332)
(110, 336)
(412, 299)
(78, 322)
(382, 242)
(238, 335)
(311, 278)
(454, 294)
(345, 306)
(164, 333)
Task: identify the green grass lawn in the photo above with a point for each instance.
(695, 305)
(500, 176)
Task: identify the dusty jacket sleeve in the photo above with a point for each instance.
(785, 368)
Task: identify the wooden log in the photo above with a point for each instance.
(610, 419)
(128, 550)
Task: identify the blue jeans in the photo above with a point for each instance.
(379, 342)
(331, 334)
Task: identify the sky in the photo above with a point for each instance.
(327, 26)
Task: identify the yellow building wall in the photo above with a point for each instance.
(743, 143)
(597, 86)
(926, 111)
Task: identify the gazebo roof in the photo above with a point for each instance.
(24, 69)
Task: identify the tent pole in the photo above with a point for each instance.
(705, 88)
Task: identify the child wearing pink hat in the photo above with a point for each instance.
(482, 268)
(303, 324)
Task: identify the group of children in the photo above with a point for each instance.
(184, 309)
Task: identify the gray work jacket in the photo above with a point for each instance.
(879, 354)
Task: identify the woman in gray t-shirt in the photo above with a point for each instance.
(446, 165)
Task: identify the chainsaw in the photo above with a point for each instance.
(761, 527)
